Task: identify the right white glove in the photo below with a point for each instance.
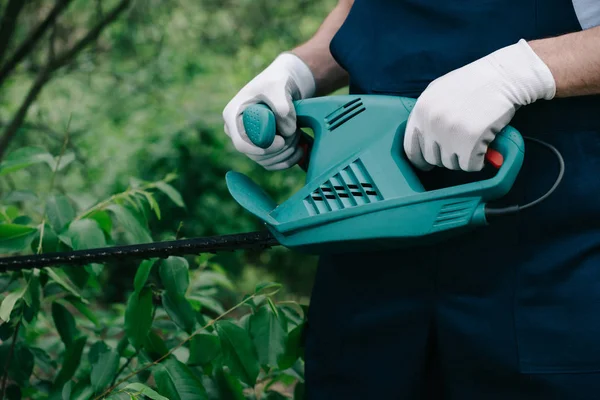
(286, 79)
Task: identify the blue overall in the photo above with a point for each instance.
(511, 311)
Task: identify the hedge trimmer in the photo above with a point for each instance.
(361, 192)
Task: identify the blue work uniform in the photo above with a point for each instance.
(510, 311)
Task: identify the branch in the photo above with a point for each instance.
(15, 123)
(7, 24)
(30, 42)
(167, 354)
(10, 353)
(91, 35)
(53, 65)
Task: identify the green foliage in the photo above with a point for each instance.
(145, 100)
(184, 330)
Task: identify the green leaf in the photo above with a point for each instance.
(103, 219)
(20, 196)
(136, 389)
(25, 157)
(66, 284)
(65, 160)
(228, 386)
(135, 232)
(59, 212)
(293, 313)
(209, 303)
(174, 274)
(65, 323)
(15, 238)
(142, 273)
(71, 361)
(211, 279)
(204, 348)
(121, 396)
(42, 359)
(96, 350)
(267, 289)
(66, 391)
(86, 234)
(293, 347)
(153, 204)
(177, 382)
(32, 296)
(104, 370)
(171, 192)
(138, 317)
(21, 362)
(81, 390)
(154, 346)
(8, 213)
(180, 311)
(238, 351)
(8, 304)
(50, 241)
(83, 309)
(268, 335)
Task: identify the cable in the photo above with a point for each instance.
(516, 208)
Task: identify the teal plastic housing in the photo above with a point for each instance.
(361, 191)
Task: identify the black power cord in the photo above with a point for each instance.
(493, 212)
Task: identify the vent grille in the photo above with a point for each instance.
(344, 114)
(350, 187)
(455, 212)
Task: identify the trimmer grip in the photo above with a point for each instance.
(508, 145)
(259, 123)
(260, 126)
(506, 152)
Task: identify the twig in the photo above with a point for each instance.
(7, 24)
(13, 127)
(120, 371)
(198, 331)
(52, 181)
(91, 35)
(114, 197)
(33, 38)
(53, 65)
(10, 353)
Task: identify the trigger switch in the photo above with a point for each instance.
(494, 157)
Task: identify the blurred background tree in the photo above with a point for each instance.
(140, 86)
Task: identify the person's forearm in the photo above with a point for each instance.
(574, 60)
(329, 76)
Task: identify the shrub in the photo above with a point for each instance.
(173, 328)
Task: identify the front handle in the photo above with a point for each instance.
(259, 123)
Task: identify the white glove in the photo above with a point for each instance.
(286, 79)
(459, 114)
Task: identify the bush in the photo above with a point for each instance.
(175, 328)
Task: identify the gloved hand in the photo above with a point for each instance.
(459, 114)
(286, 79)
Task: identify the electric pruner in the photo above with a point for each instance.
(361, 190)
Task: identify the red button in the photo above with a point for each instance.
(494, 157)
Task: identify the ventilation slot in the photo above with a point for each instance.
(344, 114)
(455, 212)
(350, 187)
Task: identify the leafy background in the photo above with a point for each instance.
(124, 143)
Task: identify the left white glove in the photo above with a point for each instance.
(459, 114)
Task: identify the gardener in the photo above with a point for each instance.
(511, 311)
